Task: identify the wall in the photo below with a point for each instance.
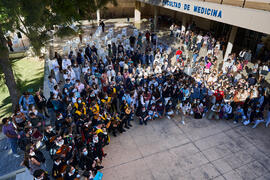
(125, 8)
(200, 22)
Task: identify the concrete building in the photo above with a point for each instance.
(241, 22)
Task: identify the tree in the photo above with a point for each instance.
(35, 19)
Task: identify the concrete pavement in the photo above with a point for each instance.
(201, 149)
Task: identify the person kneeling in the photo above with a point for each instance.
(143, 116)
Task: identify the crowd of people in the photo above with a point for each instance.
(227, 92)
(92, 98)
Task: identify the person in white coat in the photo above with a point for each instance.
(85, 68)
(55, 68)
(52, 82)
(111, 73)
(72, 74)
(65, 63)
(77, 71)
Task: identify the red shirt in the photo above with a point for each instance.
(178, 52)
(219, 95)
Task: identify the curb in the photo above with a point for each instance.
(12, 174)
(46, 91)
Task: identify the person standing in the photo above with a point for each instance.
(56, 69)
(178, 54)
(66, 62)
(10, 132)
(9, 42)
(102, 24)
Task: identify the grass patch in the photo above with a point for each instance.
(29, 74)
(17, 55)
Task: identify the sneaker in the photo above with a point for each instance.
(16, 155)
(183, 122)
(168, 117)
(246, 122)
(234, 122)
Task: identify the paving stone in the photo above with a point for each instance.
(160, 161)
(204, 172)
(264, 177)
(217, 152)
(238, 159)
(184, 150)
(8, 162)
(212, 141)
(202, 128)
(233, 134)
(232, 175)
(207, 171)
(192, 161)
(257, 168)
(109, 174)
(246, 172)
(241, 143)
(131, 170)
(161, 175)
(219, 178)
(222, 166)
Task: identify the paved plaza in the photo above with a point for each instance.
(201, 149)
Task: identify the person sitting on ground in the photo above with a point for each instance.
(143, 116)
(214, 112)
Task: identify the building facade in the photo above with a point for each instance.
(242, 22)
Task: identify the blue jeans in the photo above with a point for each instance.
(237, 117)
(199, 45)
(14, 144)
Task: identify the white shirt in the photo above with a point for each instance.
(85, 69)
(110, 73)
(199, 39)
(52, 84)
(80, 87)
(66, 63)
(226, 65)
(158, 69)
(72, 74)
(228, 109)
(215, 108)
(54, 65)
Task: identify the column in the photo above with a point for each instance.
(98, 16)
(137, 14)
(155, 18)
(184, 23)
(231, 41)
